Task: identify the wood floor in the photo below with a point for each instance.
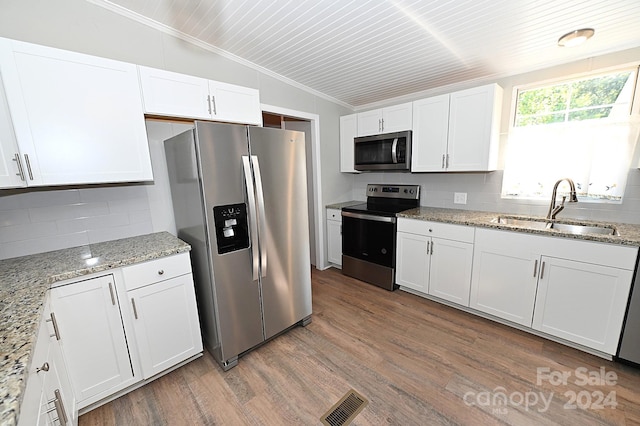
(418, 363)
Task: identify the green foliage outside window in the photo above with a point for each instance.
(587, 99)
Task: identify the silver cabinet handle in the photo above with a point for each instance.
(379, 124)
(535, 268)
(213, 102)
(443, 161)
(53, 321)
(161, 272)
(542, 270)
(447, 163)
(209, 103)
(45, 367)
(382, 126)
(26, 157)
(432, 244)
(340, 229)
(135, 311)
(62, 413)
(428, 244)
(20, 173)
(113, 298)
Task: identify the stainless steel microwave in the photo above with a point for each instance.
(389, 151)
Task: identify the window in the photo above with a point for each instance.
(580, 129)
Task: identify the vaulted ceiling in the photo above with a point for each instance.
(366, 51)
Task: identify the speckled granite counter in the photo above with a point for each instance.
(343, 204)
(24, 282)
(629, 233)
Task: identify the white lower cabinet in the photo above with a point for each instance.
(581, 302)
(165, 316)
(504, 275)
(435, 259)
(122, 328)
(334, 236)
(575, 290)
(48, 397)
(87, 314)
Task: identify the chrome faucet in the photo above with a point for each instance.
(573, 198)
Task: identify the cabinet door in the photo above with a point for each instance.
(450, 275)
(11, 172)
(348, 131)
(92, 337)
(504, 277)
(582, 302)
(474, 125)
(175, 95)
(235, 104)
(334, 241)
(412, 261)
(78, 119)
(166, 323)
(370, 122)
(430, 132)
(397, 118)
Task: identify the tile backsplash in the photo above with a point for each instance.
(50, 219)
(483, 193)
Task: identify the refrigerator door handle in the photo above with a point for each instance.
(262, 220)
(253, 217)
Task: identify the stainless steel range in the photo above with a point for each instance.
(369, 233)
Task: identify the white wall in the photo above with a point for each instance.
(89, 214)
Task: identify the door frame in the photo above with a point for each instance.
(316, 174)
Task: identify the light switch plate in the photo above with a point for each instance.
(459, 198)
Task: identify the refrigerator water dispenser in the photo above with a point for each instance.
(231, 227)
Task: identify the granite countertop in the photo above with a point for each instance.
(629, 233)
(343, 204)
(24, 282)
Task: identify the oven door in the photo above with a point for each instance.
(369, 238)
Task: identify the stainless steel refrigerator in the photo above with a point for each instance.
(240, 199)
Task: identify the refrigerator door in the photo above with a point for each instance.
(221, 148)
(284, 236)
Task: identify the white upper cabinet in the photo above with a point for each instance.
(457, 131)
(391, 119)
(348, 131)
(11, 173)
(78, 119)
(430, 134)
(172, 94)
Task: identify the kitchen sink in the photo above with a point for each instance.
(576, 229)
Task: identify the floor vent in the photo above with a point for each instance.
(345, 410)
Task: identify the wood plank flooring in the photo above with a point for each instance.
(418, 362)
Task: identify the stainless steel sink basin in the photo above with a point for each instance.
(522, 222)
(584, 229)
(541, 224)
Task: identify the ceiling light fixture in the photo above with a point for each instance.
(576, 37)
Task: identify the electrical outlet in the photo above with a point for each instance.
(459, 198)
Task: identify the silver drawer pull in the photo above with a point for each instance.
(535, 268)
(53, 321)
(161, 272)
(135, 311)
(45, 367)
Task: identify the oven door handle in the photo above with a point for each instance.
(369, 217)
(394, 151)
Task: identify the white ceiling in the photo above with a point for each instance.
(366, 51)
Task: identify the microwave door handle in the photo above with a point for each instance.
(253, 217)
(262, 219)
(394, 151)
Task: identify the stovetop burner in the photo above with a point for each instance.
(387, 200)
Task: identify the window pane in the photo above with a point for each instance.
(529, 120)
(589, 114)
(602, 90)
(543, 100)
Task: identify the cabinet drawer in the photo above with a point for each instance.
(142, 274)
(334, 214)
(437, 229)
